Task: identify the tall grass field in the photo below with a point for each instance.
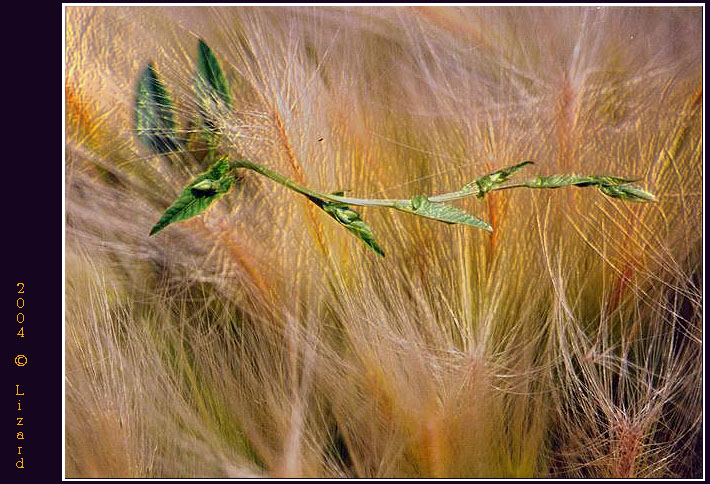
(260, 339)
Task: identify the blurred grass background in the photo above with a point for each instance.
(262, 339)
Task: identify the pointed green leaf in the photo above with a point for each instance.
(422, 206)
(350, 219)
(627, 192)
(611, 186)
(155, 119)
(211, 82)
(486, 183)
(198, 195)
(212, 93)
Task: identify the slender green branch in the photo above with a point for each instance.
(156, 127)
(278, 178)
(609, 186)
(396, 203)
(445, 197)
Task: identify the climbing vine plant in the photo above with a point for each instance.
(156, 127)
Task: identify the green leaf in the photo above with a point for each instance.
(212, 93)
(486, 183)
(627, 192)
(422, 206)
(198, 195)
(155, 119)
(350, 219)
(212, 84)
(611, 186)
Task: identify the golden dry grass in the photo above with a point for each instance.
(261, 339)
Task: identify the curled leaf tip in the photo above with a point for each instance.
(487, 182)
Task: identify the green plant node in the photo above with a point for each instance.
(486, 183)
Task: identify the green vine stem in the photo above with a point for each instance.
(156, 127)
